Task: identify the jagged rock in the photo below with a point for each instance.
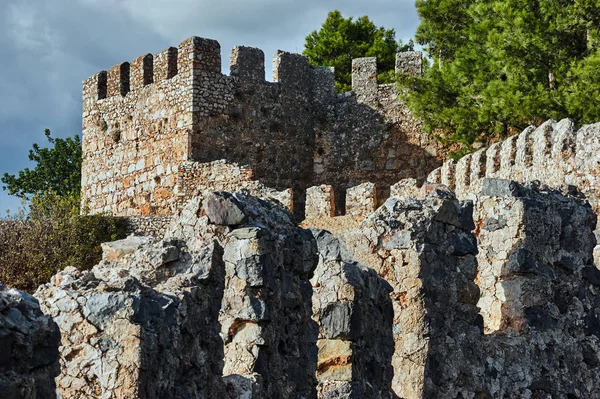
(419, 247)
(419, 301)
(28, 347)
(222, 208)
(209, 310)
(353, 310)
(500, 187)
(118, 249)
(436, 190)
(405, 188)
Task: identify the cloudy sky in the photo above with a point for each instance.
(48, 47)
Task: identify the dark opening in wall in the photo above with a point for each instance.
(340, 201)
(102, 85)
(116, 135)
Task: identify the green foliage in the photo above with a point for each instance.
(341, 39)
(499, 66)
(58, 169)
(584, 89)
(51, 236)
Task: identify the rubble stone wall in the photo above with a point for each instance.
(149, 225)
(368, 135)
(144, 120)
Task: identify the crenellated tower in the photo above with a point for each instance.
(148, 124)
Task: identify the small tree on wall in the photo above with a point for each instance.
(341, 39)
(57, 169)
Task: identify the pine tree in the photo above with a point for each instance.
(499, 66)
(341, 39)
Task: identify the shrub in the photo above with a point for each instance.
(51, 236)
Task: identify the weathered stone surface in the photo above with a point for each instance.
(534, 247)
(222, 208)
(555, 154)
(528, 239)
(229, 305)
(405, 188)
(29, 342)
(320, 202)
(131, 325)
(361, 200)
(418, 301)
(410, 244)
(353, 310)
(118, 249)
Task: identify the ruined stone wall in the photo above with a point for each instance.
(143, 121)
(353, 309)
(325, 212)
(220, 307)
(509, 322)
(424, 249)
(539, 296)
(555, 153)
(425, 298)
(369, 135)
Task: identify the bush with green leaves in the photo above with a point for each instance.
(52, 235)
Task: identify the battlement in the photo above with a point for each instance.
(144, 119)
(193, 54)
(410, 63)
(364, 73)
(199, 55)
(547, 153)
(248, 64)
(360, 201)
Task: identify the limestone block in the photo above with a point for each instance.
(320, 202)
(361, 200)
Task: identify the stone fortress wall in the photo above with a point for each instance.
(411, 294)
(555, 153)
(145, 121)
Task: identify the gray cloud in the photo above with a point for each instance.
(48, 47)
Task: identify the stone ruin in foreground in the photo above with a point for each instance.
(475, 280)
(427, 297)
